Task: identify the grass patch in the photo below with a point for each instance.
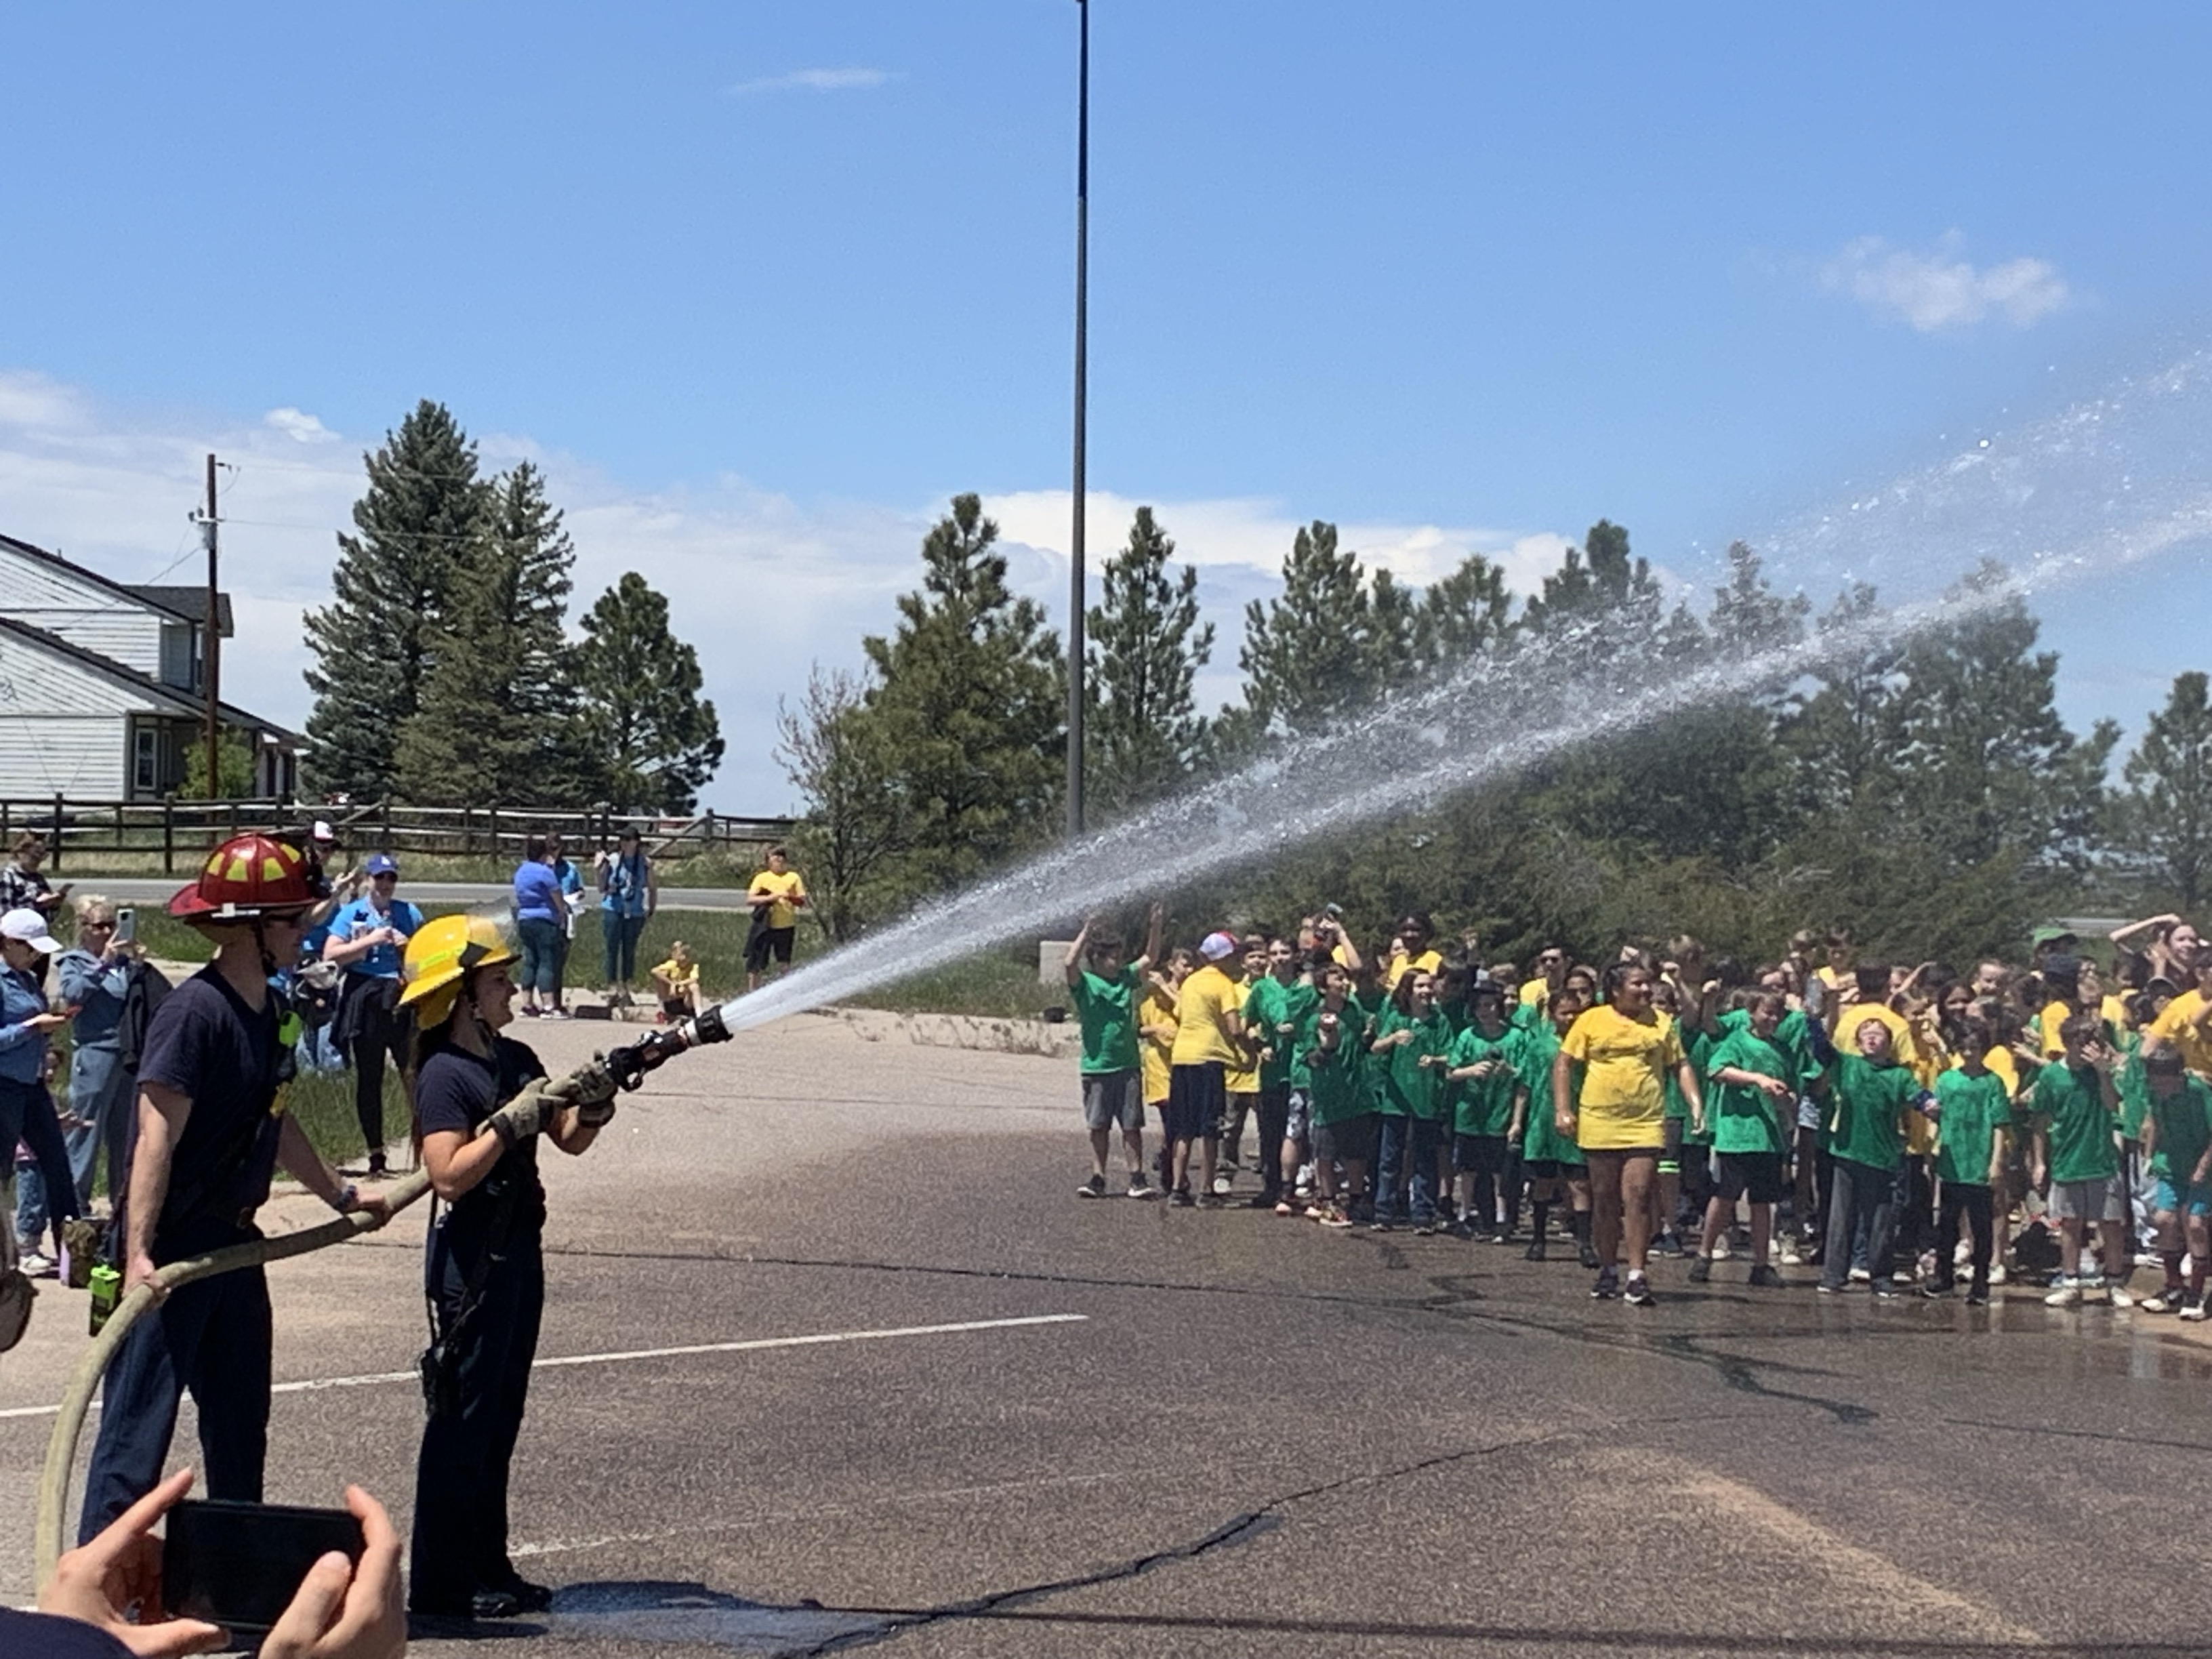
(992, 984)
(323, 1101)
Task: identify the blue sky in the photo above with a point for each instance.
(761, 285)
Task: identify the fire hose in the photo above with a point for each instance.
(627, 1065)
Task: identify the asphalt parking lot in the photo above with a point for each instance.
(834, 1358)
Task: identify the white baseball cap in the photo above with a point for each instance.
(29, 927)
(1215, 946)
(322, 830)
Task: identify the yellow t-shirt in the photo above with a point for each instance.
(1625, 1062)
(1533, 992)
(1427, 963)
(786, 887)
(1903, 1048)
(1243, 1077)
(2054, 1015)
(1202, 1032)
(2115, 1011)
(1156, 1007)
(2177, 1027)
(1999, 1061)
(677, 978)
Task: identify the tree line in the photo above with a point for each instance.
(443, 668)
(1920, 785)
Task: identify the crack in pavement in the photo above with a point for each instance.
(1238, 1529)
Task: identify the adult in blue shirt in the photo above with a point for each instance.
(26, 1110)
(627, 896)
(541, 915)
(367, 937)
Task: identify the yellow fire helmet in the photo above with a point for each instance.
(440, 954)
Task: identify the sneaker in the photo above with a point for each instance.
(1608, 1286)
(1860, 1276)
(1461, 1230)
(1996, 1273)
(1721, 1250)
(1284, 1206)
(2119, 1295)
(1901, 1276)
(555, 1013)
(1424, 1228)
(1209, 1201)
(1978, 1298)
(1667, 1244)
(1181, 1198)
(1791, 1256)
(36, 1264)
(1336, 1218)
(2193, 1308)
(1140, 1188)
(1222, 1184)
(1701, 1270)
(1316, 1210)
(1587, 1253)
(2067, 1295)
(1380, 1226)
(2166, 1299)
(528, 1010)
(1638, 1294)
(1535, 1251)
(1766, 1279)
(1094, 1187)
(1964, 1255)
(1935, 1290)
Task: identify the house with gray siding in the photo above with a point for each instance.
(101, 685)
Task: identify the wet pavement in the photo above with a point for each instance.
(1024, 1423)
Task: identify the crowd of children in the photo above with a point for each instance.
(1895, 1128)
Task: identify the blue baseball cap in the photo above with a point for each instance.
(381, 864)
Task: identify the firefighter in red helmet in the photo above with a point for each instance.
(211, 1130)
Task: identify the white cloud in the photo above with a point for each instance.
(300, 427)
(1941, 289)
(813, 80)
(763, 585)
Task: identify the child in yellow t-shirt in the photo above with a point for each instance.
(676, 981)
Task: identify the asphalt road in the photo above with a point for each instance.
(142, 889)
(1217, 1432)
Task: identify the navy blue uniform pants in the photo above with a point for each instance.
(461, 1478)
(212, 1337)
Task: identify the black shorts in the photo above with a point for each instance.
(1546, 1168)
(1197, 1098)
(765, 942)
(1754, 1175)
(1479, 1154)
(1348, 1140)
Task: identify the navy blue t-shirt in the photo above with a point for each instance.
(204, 1042)
(50, 1636)
(456, 1091)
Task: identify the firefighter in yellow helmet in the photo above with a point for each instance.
(483, 1104)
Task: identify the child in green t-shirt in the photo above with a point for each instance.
(1868, 1094)
(1409, 1048)
(1755, 1090)
(1489, 1115)
(1556, 1166)
(1103, 990)
(1973, 1112)
(1329, 1053)
(2177, 1139)
(2076, 1112)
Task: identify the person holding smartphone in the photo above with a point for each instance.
(26, 1110)
(365, 939)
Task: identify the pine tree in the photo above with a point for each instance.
(1463, 617)
(495, 725)
(1146, 645)
(421, 518)
(1306, 655)
(1601, 583)
(1750, 619)
(2165, 817)
(969, 696)
(641, 717)
(854, 828)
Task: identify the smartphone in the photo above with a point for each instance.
(126, 926)
(240, 1564)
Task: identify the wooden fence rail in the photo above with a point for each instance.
(184, 831)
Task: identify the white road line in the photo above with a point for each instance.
(754, 1345)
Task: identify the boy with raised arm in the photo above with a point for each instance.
(1103, 990)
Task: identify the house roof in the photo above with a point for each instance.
(163, 599)
(168, 696)
(187, 602)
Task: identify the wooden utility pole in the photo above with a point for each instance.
(1075, 587)
(211, 649)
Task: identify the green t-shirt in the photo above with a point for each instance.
(2128, 1077)
(1410, 1089)
(2185, 1129)
(2076, 1123)
(1742, 1118)
(1541, 1140)
(1866, 1100)
(1336, 1081)
(1271, 1004)
(1972, 1109)
(1789, 1036)
(1106, 1009)
(1485, 1105)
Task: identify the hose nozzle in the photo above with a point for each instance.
(628, 1064)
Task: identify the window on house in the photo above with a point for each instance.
(146, 760)
(179, 661)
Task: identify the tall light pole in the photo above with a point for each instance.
(1075, 595)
